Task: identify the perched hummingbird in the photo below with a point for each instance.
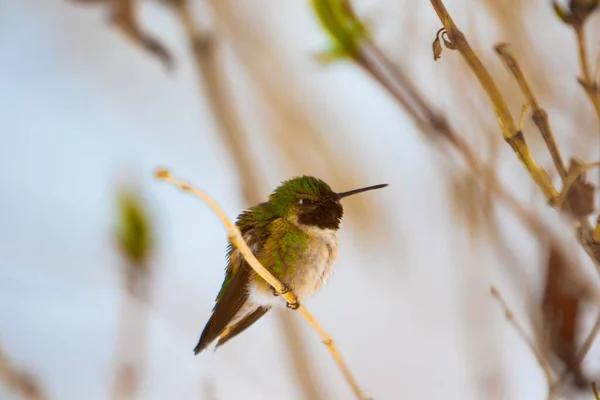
(294, 236)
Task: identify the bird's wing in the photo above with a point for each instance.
(231, 298)
(242, 325)
(234, 292)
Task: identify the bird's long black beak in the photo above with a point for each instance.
(339, 196)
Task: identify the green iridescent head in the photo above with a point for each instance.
(312, 201)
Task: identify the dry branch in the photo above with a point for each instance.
(539, 116)
(511, 134)
(514, 137)
(236, 239)
(579, 203)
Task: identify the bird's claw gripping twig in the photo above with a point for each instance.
(294, 305)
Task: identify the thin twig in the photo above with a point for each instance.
(539, 115)
(521, 331)
(297, 348)
(18, 381)
(591, 88)
(124, 15)
(236, 239)
(587, 344)
(580, 355)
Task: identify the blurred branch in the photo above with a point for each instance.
(208, 389)
(236, 239)
(585, 348)
(123, 13)
(18, 381)
(536, 352)
(210, 71)
(292, 333)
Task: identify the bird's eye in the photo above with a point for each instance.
(305, 201)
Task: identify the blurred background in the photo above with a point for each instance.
(108, 276)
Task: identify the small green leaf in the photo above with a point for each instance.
(343, 26)
(329, 56)
(578, 11)
(134, 234)
(561, 12)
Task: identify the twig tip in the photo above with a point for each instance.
(501, 47)
(493, 291)
(162, 173)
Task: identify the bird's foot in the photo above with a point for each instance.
(294, 305)
(280, 293)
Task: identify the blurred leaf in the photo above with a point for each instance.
(561, 12)
(134, 232)
(578, 11)
(343, 26)
(563, 294)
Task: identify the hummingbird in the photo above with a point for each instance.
(294, 236)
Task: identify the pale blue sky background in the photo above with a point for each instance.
(82, 109)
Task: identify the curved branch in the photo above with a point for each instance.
(236, 239)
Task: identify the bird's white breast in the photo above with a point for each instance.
(316, 263)
(312, 270)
